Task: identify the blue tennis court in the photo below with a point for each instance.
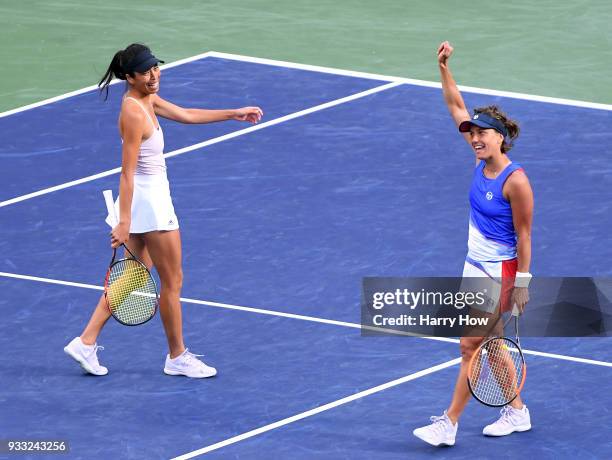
(347, 176)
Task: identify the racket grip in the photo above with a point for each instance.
(110, 207)
(516, 311)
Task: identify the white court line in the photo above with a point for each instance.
(334, 71)
(313, 319)
(55, 188)
(397, 80)
(94, 87)
(411, 81)
(203, 144)
(51, 281)
(318, 410)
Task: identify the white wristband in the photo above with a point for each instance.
(522, 279)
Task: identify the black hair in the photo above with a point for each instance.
(512, 126)
(118, 64)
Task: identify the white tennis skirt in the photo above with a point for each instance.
(152, 207)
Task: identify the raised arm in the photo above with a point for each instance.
(172, 111)
(452, 96)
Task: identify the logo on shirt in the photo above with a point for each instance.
(489, 196)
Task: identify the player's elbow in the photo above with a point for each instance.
(127, 173)
(187, 116)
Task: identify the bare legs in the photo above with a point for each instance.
(461, 394)
(165, 251)
(162, 250)
(101, 314)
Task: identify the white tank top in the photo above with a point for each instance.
(151, 159)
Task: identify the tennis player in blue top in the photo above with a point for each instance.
(499, 241)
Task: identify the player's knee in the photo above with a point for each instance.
(467, 346)
(177, 280)
(173, 281)
(466, 352)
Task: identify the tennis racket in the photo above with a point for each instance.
(497, 370)
(130, 290)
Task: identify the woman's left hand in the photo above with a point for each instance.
(250, 114)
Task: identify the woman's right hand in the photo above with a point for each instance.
(120, 234)
(445, 50)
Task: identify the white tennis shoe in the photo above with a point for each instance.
(86, 356)
(441, 432)
(511, 420)
(188, 364)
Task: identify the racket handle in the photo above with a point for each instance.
(110, 207)
(516, 311)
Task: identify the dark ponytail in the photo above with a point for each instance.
(511, 125)
(116, 69)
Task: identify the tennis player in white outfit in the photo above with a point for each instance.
(147, 221)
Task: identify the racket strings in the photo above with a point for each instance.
(497, 372)
(131, 292)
